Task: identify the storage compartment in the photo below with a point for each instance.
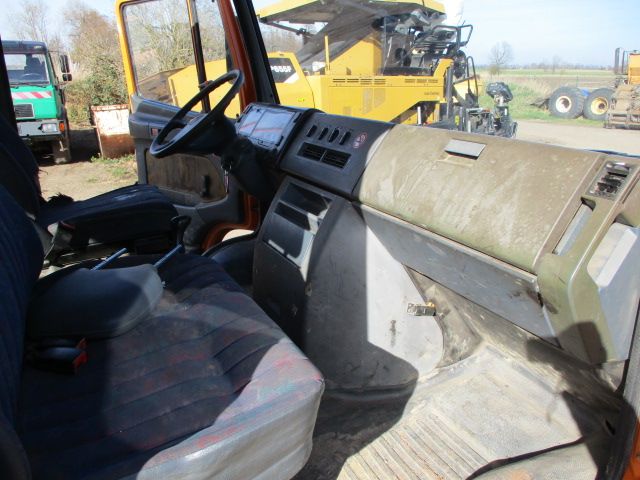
(282, 253)
(294, 222)
(329, 282)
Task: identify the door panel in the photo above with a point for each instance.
(187, 179)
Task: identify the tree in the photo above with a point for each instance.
(31, 23)
(160, 37)
(556, 63)
(500, 56)
(95, 50)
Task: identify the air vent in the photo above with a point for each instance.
(336, 159)
(611, 180)
(311, 151)
(324, 155)
(23, 110)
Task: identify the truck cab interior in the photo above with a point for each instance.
(410, 303)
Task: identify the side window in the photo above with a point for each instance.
(162, 51)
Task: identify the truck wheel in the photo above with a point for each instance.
(597, 104)
(566, 102)
(61, 151)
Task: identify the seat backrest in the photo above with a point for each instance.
(19, 169)
(21, 259)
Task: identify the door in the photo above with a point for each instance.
(169, 48)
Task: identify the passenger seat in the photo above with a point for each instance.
(122, 216)
(206, 387)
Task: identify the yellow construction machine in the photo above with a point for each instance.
(389, 60)
(624, 110)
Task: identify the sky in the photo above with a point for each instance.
(578, 31)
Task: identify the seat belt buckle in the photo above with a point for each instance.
(61, 233)
(60, 355)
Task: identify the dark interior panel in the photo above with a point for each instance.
(333, 151)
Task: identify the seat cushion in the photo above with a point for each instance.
(207, 387)
(92, 303)
(128, 213)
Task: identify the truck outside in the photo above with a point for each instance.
(38, 96)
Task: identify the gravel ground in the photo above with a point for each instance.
(580, 136)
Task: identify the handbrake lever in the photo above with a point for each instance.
(180, 223)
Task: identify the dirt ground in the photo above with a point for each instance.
(84, 178)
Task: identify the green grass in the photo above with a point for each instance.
(521, 108)
(122, 168)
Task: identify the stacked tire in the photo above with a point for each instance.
(567, 102)
(571, 102)
(597, 104)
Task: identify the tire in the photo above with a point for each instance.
(567, 102)
(597, 104)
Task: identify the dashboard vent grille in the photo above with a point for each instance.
(311, 151)
(337, 159)
(611, 180)
(23, 110)
(324, 155)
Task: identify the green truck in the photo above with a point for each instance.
(38, 96)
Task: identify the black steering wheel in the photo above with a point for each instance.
(214, 122)
(32, 76)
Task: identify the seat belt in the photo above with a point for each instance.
(62, 233)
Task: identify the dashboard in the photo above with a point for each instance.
(329, 150)
(524, 230)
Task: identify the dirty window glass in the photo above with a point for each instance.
(161, 47)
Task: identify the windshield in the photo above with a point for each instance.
(27, 68)
(460, 66)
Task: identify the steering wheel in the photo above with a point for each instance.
(214, 122)
(31, 76)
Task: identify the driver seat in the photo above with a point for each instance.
(133, 216)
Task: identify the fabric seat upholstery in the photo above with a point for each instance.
(126, 214)
(207, 387)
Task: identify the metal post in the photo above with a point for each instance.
(197, 50)
(327, 66)
(449, 93)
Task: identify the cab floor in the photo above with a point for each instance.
(453, 425)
